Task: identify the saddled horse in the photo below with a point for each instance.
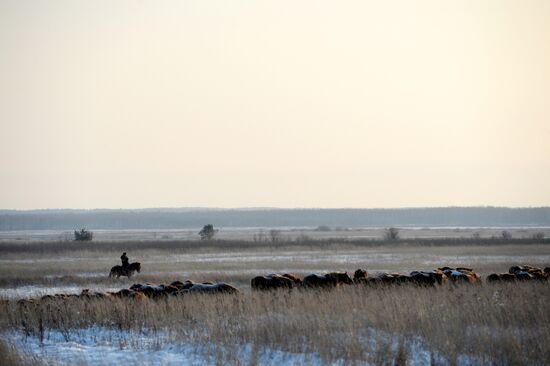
(118, 271)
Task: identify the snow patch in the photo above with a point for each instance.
(100, 346)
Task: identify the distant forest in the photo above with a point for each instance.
(196, 217)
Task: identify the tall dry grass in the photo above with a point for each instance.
(9, 356)
(505, 324)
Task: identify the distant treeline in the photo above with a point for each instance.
(197, 217)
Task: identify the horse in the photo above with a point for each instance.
(295, 279)
(460, 274)
(271, 282)
(501, 277)
(333, 279)
(213, 288)
(385, 278)
(429, 278)
(360, 276)
(118, 271)
(154, 291)
(529, 272)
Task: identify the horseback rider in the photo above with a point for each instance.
(124, 260)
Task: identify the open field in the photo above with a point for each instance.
(283, 233)
(26, 269)
(487, 324)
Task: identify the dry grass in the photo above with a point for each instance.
(500, 323)
(9, 356)
(503, 323)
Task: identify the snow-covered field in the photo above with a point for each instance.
(36, 291)
(100, 346)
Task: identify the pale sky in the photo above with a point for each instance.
(127, 104)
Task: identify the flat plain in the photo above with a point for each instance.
(487, 324)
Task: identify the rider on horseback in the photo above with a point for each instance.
(124, 260)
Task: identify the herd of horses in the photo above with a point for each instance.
(439, 276)
(436, 277)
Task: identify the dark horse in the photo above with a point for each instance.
(118, 271)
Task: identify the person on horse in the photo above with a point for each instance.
(124, 260)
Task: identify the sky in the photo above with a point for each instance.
(128, 104)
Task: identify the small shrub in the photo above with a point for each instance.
(207, 232)
(83, 235)
(391, 233)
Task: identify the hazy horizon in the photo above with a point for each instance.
(310, 104)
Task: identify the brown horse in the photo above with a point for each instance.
(271, 282)
(118, 271)
(501, 277)
(213, 288)
(154, 291)
(332, 279)
(460, 274)
(360, 276)
(295, 279)
(528, 272)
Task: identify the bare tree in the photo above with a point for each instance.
(506, 235)
(539, 235)
(275, 235)
(391, 233)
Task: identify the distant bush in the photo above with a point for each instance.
(207, 232)
(83, 235)
(539, 235)
(506, 235)
(391, 234)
